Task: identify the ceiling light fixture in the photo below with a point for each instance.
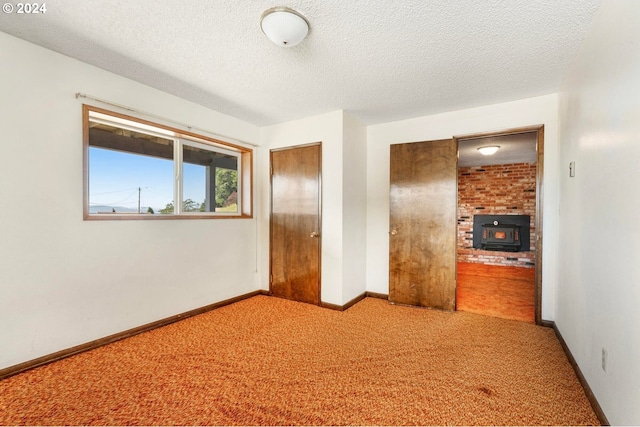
(284, 26)
(489, 150)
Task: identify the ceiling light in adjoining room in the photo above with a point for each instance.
(284, 26)
(489, 150)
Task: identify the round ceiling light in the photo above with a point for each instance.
(284, 26)
(489, 150)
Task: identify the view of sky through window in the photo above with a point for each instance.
(115, 178)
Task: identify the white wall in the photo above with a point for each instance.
(354, 202)
(65, 281)
(328, 129)
(527, 112)
(599, 272)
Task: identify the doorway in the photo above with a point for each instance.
(503, 281)
(295, 223)
(422, 271)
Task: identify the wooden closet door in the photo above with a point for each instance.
(422, 220)
(295, 223)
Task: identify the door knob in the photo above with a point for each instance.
(393, 232)
(314, 234)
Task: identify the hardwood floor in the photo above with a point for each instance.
(499, 291)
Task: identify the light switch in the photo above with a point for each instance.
(572, 169)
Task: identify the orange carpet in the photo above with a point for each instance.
(267, 361)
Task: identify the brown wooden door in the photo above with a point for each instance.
(295, 223)
(422, 221)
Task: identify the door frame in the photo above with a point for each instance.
(293, 147)
(539, 130)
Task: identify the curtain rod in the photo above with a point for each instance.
(164, 119)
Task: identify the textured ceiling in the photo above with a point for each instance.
(518, 148)
(381, 60)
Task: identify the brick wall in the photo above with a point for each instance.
(495, 190)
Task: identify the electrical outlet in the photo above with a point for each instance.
(604, 359)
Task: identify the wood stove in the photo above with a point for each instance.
(499, 237)
(506, 233)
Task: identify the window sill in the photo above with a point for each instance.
(148, 217)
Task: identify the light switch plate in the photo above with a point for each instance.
(572, 169)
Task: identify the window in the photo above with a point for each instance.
(135, 169)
